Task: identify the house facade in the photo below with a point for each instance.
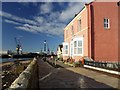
(94, 33)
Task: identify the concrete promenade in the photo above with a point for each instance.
(70, 77)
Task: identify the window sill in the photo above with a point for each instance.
(77, 54)
(106, 28)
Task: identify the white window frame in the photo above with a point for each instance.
(106, 23)
(78, 39)
(71, 48)
(64, 50)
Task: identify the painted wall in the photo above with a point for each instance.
(99, 43)
(105, 41)
(68, 37)
(119, 33)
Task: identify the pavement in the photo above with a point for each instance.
(71, 77)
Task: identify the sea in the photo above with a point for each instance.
(12, 59)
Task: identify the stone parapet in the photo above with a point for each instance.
(28, 78)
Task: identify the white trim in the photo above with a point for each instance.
(107, 23)
(71, 23)
(101, 69)
(66, 28)
(65, 43)
(79, 17)
(71, 54)
(77, 39)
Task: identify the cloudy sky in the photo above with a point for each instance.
(35, 22)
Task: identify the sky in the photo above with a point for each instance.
(35, 22)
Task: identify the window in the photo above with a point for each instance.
(75, 47)
(65, 49)
(72, 30)
(79, 25)
(71, 49)
(78, 46)
(106, 23)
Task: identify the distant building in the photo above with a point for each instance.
(59, 51)
(94, 33)
(3, 52)
(37, 52)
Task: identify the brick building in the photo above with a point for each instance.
(94, 32)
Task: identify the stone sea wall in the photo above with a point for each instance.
(28, 78)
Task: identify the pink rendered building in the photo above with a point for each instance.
(94, 32)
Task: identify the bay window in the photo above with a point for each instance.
(71, 48)
(78, 46)
(65, 49)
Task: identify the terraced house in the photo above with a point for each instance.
(94, 32)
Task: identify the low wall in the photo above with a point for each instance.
(101, 69)
(28, 78)
(105, 65)
(108, 67)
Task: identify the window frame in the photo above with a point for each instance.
(71, 48)
(78, 47)
(106, 23)
(64, 49)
